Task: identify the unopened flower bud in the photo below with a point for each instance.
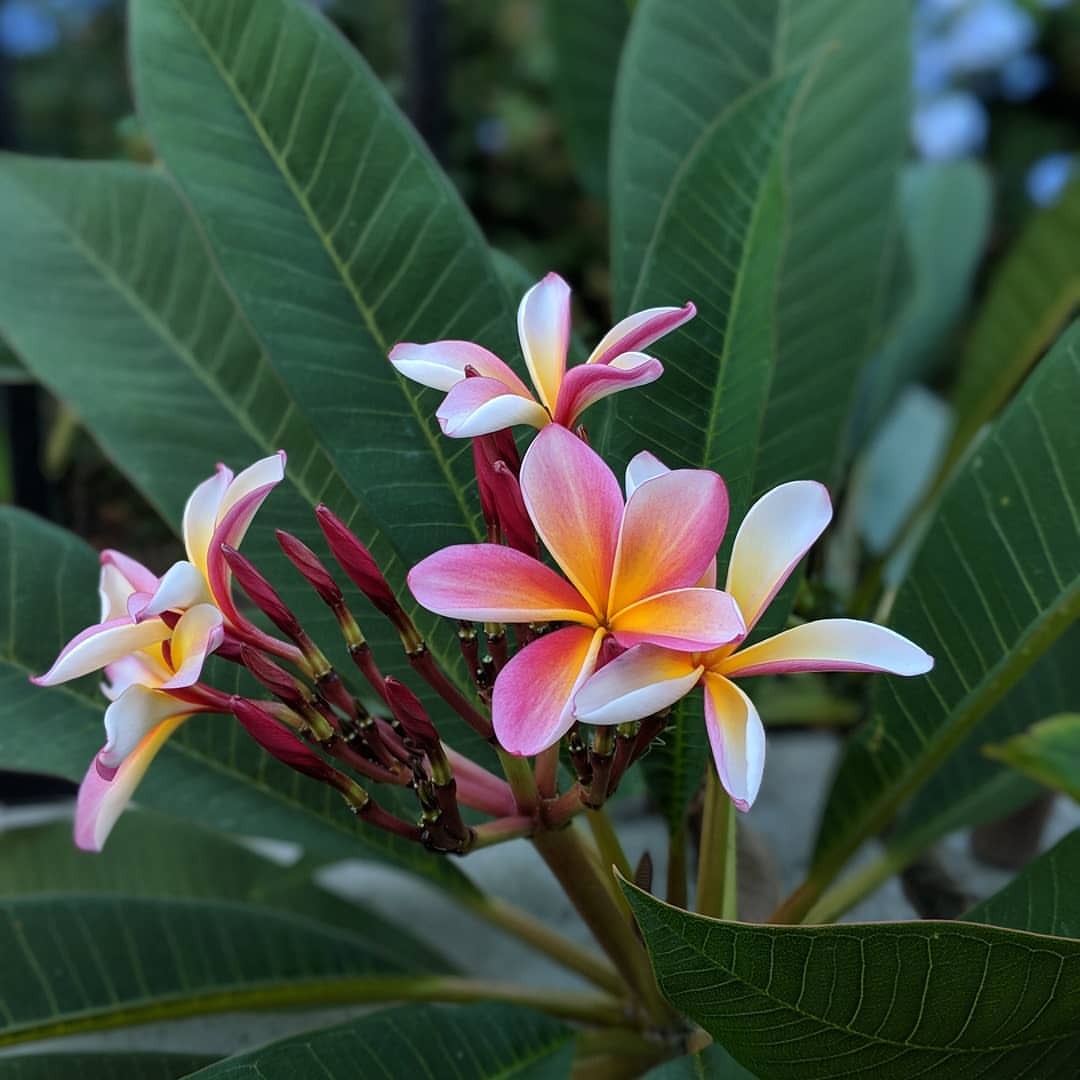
(274, 677)
(356, 561)
(410, 713)
(510, 508)
(311, 566)
(262, 593)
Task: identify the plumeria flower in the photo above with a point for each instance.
(632, 570)
(776, 533)
(495, 398)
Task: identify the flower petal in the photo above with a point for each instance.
(588, 383)
(776, 533)
(121, 576)
(737, 738)
(131, 717)
(636, 684)
(670, 533)
(489, 583)
(544, 332)
(198, 633)
(201, 515)
(532, 705)
(182, 587)
(574, 501)
(830, 645)
(686, 619)
(642, 467)
(639, 331)
(441, 364)
(261, 478)
(105, 791)
(143, 668)
(480, 406)
(99, 645)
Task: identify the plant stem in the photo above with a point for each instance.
(522, 782)
(716, 885)
(847, 892)
(547, 771)
(607, 843)
(551, 943)
(502, 829)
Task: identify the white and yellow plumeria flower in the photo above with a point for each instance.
(495, 398)
(773, 538)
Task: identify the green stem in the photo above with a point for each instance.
(716, 885)
(552, 944)
(847, 892)
(502, 829)
(519, 774)
(607, 842)
(547, 771)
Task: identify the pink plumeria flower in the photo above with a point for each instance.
(495, 398)
(776, 533)
(631, 567)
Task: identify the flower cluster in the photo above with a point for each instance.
(626, 622)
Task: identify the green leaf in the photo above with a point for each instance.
(884, 1000)
(119, 1065)
(1049, 753)
(714, 1061)
(209, 772)
(337, 232)
(86, 962)
(586, 40)
(684, 65)
(149, 855)
(945, 211)
(478, 1042)
(1032, 295)
(995, 583)
(1042, 898)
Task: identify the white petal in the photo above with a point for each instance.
(201, 515)
(132, 716)
(264, 473)
(114, 590)
(737, 739)
(640, 682)
(182, 587)
(100, 645)
(642, 467)
(198, 633)
(544, 332)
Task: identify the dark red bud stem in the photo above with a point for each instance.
(261, 592)
(288, 690)
(285, 746)
(311, 566)
(410, 714)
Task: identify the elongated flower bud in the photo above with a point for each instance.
(262, 593)
(514, 520)
(275, 678)
(356, 561)
(311, 566)
(410, 713)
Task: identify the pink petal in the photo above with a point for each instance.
(198, 633)
(114, 590)
(532, 706)
(688, 619)
(105, 791)
(142, 668)
(102, 644)
(737, 738)
(480, 406)
(489, 583)
(259, 478)
(640, 682)
(671, 530)
(574, 501)
(131, 717)
(121, 575)
(588, 383)
(639, 331)
(201, 515)
(830, 645)
(643, 466)
(776, 533)
(182, 587)
(544, 332)
(441, 365)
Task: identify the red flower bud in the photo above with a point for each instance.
(409, 713)
(262, 593)
(514, 519)
(282, 744)
(311, 566)
(356, 561)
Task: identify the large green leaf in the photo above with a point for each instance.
(478, 1042)
(337, 232)
(684, 65)
(143, 1065)
(995, 583)
(1033, 293)
(210, 772)
(150, 855)
(1049, 752)
(586, 40)
(885, 1000)
(714, 1061)
(85, 962)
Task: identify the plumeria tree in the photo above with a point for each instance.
(472, 581)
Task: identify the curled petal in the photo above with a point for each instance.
(201, 515)
(778, 530)
(489, 583)
(144, 668)
(106, 791)
(182, 587)
(258, 479)
(532, 706)
(670, 534)
(480, 406)
(830, 645)
(639, 331)
(441, 365)
(642, 467)
(198, 633)
(131, 717)
(121, 576)
(636, 684)
(574, 501)
(544, 332)
(588, 383)
(687, 619)
(102, 644)
(737, 739)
